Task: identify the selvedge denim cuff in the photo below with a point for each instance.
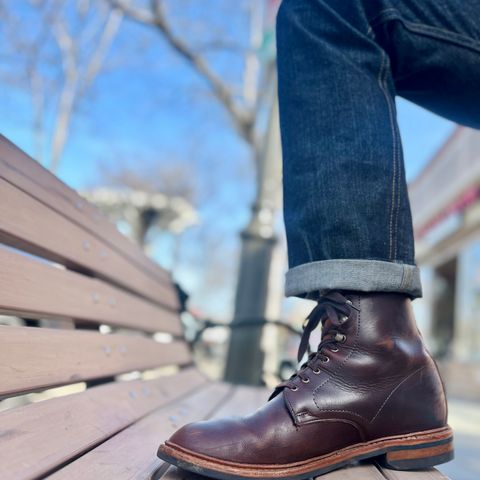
(349, 274)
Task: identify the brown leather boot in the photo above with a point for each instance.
(371, 390)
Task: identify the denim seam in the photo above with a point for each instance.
(382, 16)
(382, 83)
(427, 30)
(399, 190)
(406, 279)
(440, 34)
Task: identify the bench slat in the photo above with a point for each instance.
(21, 170)
(69, 356)
(26, 223)
(431, 474)
(356, 472)
(36, 289)
(36, 438)
(131, 454)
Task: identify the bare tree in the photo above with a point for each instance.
(245, 112)
(58, 62)
(243, 108)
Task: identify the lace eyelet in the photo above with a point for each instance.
(349, 302)
(325, 359)
(316, 371)
(294, 389)
(340, 337)
(307, 380)
(343, 319)
(334, 349)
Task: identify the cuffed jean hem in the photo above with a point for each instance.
(348, 274)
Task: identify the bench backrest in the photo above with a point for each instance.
(61, 260)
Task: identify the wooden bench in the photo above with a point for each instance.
(91, 417)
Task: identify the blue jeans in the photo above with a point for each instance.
(341, 64)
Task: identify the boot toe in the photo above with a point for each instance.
(264, 437)
(209, 438)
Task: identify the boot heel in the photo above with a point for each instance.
(417, 457)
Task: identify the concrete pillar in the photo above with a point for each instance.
(466, 346)
(245, 357)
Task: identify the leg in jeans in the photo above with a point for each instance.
(340, 66)
(370, 389)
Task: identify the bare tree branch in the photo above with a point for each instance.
(67, 95)
(58, 63)
(242, 118)
(97, 60)
(220, 44)
(140, 15)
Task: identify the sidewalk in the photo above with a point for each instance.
(464, 418)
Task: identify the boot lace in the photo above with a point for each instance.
(332, 311)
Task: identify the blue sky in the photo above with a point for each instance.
(422, 133)
(150, 108)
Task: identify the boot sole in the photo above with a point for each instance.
(402, 452)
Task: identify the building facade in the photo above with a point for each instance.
(445, 201)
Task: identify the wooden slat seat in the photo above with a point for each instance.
(62, 291)
(69, 408)
(131, 453)
(67, 356)
(21, 171)
(60, 429)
